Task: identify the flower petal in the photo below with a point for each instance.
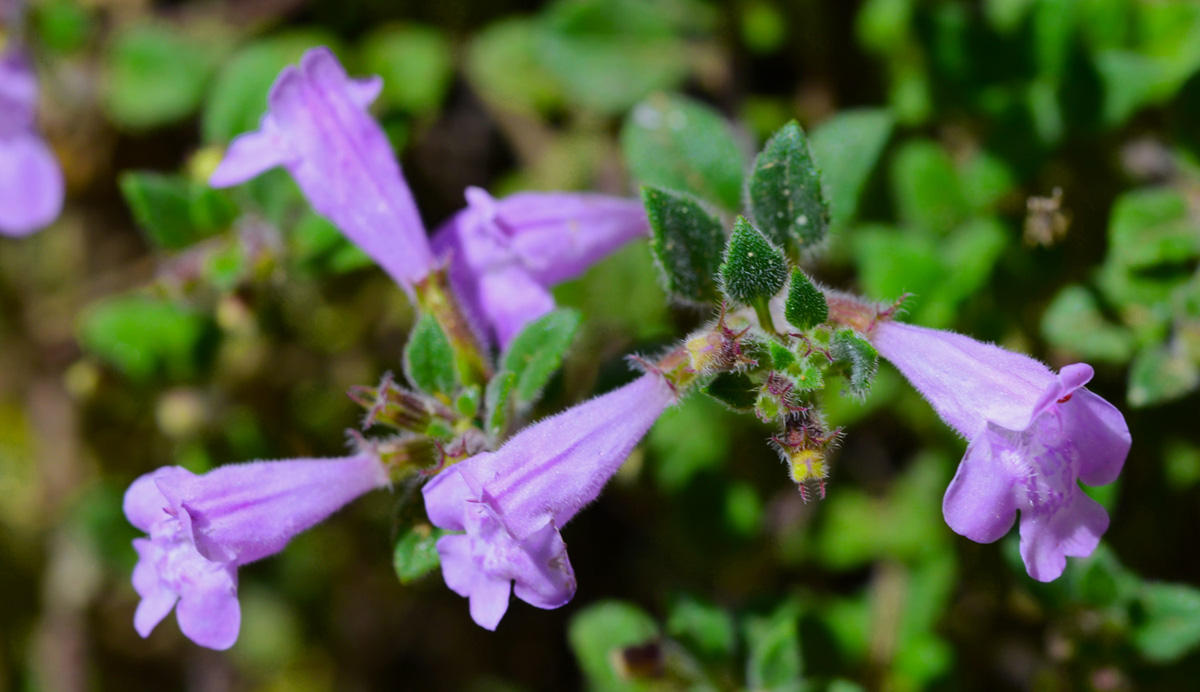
(979, 503)
(489, 601)
(144, 504)
(31, 185)
(459, 569)
(1099, 433)
(1074, 530)
(547, 580)
(511, 299)
(445, 499)
(251, 154)
(208, 612)
(152, 609)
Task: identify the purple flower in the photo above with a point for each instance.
(202, 528)
(1033, 435)
(318, 127)
(506, 254)
(31, 183)
(511, 503)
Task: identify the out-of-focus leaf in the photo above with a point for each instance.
(679, 144)
(416, 65)
(687, 440)
(173, 212)
(144, 337)
(238, 97)
(1161, 373)
(1073, 322)
(1170, 624)
(503, 64)
(610, 54)
(847, 148)
(893, 263)
(496, 400)
(537, 352)
(601, 629)
(764, 28)
(416, 552)
(63, 25)
(925, 187)
(318, 248)
(774, 660)
(1151, 227)
(155, 74)
(688, 243)
(985, 180)
(703, 628)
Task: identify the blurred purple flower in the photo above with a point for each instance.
(318, 127)
(506, 254)
(202, 528)
(511, 503)
(1033, 435)
(31, 182)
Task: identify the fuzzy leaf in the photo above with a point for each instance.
(537, 352)
(786, 199)
(781, 356)
(687, 242)
(734, 389)
(496, 401)
(677, 143)
(416, 553)
(429, 359)
(753, 270)
(857, 357)
(805, 307)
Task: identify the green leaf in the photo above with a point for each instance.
(1170, 627)
(1151, 227)
(847, 148)
(781, 356)
(893, 263)
(1073, 322)
(754, 270)
(537, 352)
(144, 337)
(63, 25)
(805, 307)
(429, 358)
(609, 54)
(155, 75)
(318, 248)
(416, 552)
(1161, 373)
(687, 440)
(687, 242)
(495, 401)
(415, 62)
(599, 630)
(503, 65)
(786, 200)
(703, 628)
(773, 646)
(734, 389)
(857, 359)
(173, 212)
(677, 143)
(925, 187)
(238, 97)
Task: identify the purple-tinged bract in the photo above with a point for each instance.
(317, 126)
(202, 528)
(506, 254)
(511, 503)
(31, 182)
(1033, 435)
